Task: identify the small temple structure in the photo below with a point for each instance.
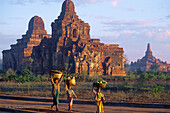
(69, 48)
(148, 61)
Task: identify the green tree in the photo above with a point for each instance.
(155, 67)
(151, 76)
(161, 77)
(26, 76)
(9, 75)
(143, 77)
(131, 75)
(28, 63)
(126, 63)
(67, 68)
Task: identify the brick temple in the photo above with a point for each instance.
(69, 48)
(16, 56)
(149, 60)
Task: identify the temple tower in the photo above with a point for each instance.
(36, 32)
(148, 52)
(68, 27)
(15, 57)
(148, 61)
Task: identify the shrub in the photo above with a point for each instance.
(158, 89)
(9, 73)
(25, 72)
(143, 77)
(95, 78)
(151, 77)
(44, 78)
(161, 77)
(26, 76)
(119, 78)
(126, 84)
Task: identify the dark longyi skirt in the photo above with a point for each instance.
(55, 98)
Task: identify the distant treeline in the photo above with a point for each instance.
(22, 76)
(28, 76)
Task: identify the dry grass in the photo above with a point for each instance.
(83, 91)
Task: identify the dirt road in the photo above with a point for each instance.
(23, 106)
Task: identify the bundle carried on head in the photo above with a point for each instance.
(70, 80)
(100, 84)
(56, 74)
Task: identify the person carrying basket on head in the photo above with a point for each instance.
(70, 93)
(99, 97)
(56, 79)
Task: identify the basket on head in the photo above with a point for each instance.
(56, 74)
(72, 81)
(101, 84)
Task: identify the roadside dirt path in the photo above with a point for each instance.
(39, 107)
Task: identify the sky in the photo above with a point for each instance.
(130, 23)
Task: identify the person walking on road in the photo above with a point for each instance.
(99, 98)
(70, 96)
(55, 89)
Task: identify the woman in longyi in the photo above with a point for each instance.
(99, 98)
(56, 89)
(69, 81)
(70, 96)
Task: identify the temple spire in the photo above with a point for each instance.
(68, 6)
(68, 10)
(149, 47)
(36, 26)
(148, 52)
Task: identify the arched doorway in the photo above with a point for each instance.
(75, 33)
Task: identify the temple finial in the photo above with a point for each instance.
(148, 52)
(149, 47)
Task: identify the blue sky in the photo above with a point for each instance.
(130, 23)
